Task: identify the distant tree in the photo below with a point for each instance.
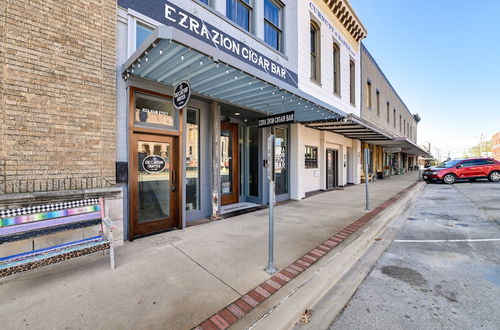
(475, 151)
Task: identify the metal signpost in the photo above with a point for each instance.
(367, 163)
(284, 118)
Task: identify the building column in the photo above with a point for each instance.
(216, 180)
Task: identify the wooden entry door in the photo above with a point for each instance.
(229, 169)
(331, 168)
(154, 184)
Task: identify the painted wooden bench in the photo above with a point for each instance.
(31, 222)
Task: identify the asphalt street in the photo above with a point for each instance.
(443, 269)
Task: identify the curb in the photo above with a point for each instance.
(249, 301)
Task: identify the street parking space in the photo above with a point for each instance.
(443, 269)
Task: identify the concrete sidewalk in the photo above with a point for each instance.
(178, 279)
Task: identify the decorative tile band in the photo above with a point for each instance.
(7, 213)
(17, 220)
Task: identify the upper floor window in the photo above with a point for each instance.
(369, 95)
(239, 11)
(142, 32)
(336, 69)
(388, 113)
(400, 130)
(272, 24)
(394, 112)
(352, 82)
(378, 103)
(404, 127)
(204, 1)
(315, 47)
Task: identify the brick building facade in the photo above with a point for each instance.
(57, 95)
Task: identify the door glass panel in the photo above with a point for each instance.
(192, 160)
(226, 165)
(281, 160)
(253, 161)
(153, 175)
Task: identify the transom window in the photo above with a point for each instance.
(240, 12)
(272, 24)
(311, 157)
(142, 32)
(154, 112)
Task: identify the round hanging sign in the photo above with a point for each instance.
(182, 93)
(154, 164)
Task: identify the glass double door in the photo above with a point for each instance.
(153, 184)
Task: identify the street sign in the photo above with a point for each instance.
(182, 93)
(279, 119)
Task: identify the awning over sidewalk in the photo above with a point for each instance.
(170, 55)
(404, 144)
(352, 127)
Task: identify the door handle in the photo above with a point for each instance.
(174, 180)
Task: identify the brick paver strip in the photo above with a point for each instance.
(238, 312)
(228, 316)
(297, 268)
(243, 305)
(273, 284)
(209, 325)
(263, 292)
(257, 296)
(268, 288)
(286, 273)
(219, 321)
(249, 301)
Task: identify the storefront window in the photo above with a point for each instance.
(154, 112)
(281, 160)
(311, 157)
(192, 160)
(272, 24)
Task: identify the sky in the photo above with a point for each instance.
(443, 59)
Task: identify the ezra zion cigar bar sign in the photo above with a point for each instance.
(279, 119)
(171, 15)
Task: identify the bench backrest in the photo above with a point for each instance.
(29, 222)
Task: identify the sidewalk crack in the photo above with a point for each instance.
(196, 262)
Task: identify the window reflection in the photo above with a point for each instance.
(192, 160)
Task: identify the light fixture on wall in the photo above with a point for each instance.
(237, 113)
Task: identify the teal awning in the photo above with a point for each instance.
(169, 56)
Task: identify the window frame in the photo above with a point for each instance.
(248, 6)
(133, 20)
(369, 100)
(377, 99)
(336, 68)
(281, 8)
(313, 159)
(352, 82)
(317, 54)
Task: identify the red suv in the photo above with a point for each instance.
(471, 169)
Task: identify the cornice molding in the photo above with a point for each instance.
(348, 18)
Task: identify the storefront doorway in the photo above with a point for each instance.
(332, 160)
(229, 163)
(154, 184)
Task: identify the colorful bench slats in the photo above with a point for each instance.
(24, 223)
(22, 219)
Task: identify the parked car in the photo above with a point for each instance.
(471, 168)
